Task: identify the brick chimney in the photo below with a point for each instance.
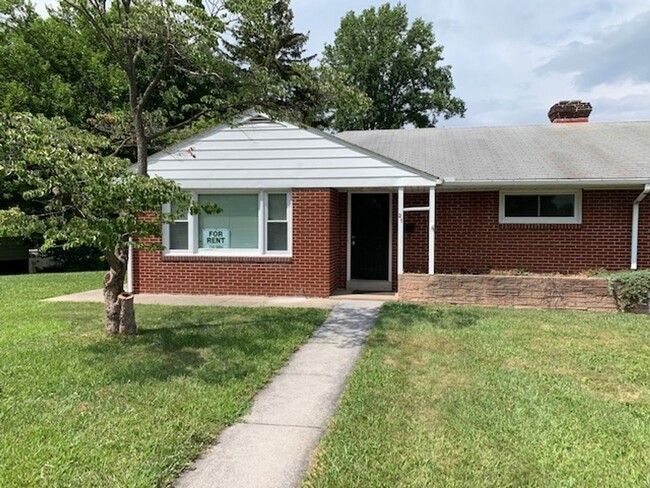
(570, 111)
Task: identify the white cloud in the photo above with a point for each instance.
(593, 50)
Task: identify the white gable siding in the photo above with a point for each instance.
(275, 155)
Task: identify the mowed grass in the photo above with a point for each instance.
(463, 397)
(79, 409)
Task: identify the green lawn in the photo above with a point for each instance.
(463, 397)
(79, 409)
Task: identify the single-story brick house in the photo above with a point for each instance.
(307, 213)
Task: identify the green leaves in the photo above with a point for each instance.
(71, 194)
(630, 289)
(395, 66)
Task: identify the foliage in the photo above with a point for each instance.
(186, 61)
(78, 259)
(73, 197)
(79, 410)
(265, 38)
(162, 47)
(269, 51)
(81, 197)
(467, 397)
(629, 288)
(52, 67)
(396, 66)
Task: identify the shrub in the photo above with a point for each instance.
(629, 288)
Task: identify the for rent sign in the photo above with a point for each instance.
(216, 238)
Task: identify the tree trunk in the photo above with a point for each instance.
(128, 325)
(113, 288)
(141, 142)
(120, 314)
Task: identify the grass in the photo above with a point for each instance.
(463, 397)
(80, 409)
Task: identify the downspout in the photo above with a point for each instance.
(635, 225)
(129, 271)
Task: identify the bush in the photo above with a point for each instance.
(629, 288)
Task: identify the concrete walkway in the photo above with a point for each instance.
(272, 446)
(227, 300)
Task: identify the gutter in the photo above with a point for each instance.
(450, 182)
(635, 225)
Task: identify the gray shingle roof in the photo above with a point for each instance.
(581, 151)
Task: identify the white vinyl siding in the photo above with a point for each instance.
(270, 155)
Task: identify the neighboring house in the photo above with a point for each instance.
(306, 213)
(14, 257)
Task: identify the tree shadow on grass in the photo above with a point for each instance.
(213, 345)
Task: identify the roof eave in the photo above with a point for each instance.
(584, 182)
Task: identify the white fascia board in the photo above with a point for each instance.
(339, 183)
(495, 184)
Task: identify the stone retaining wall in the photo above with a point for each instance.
(508, 291)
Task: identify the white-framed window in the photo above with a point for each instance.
(251, 223)
(178, 236)
(540, 207)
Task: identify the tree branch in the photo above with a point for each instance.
(156, 79)
(122, 144)
(99, 29)
(180, 125)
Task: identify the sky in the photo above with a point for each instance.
(512, 59)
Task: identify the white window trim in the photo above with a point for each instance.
(576, 219)
(262, 212)
(266, 221)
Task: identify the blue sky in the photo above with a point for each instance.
(513, 59)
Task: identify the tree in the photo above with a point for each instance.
(265, 44)
(396, 66)
(160, 45)
(266, 38)
(73, 196)
(268, 50)
(50, 66)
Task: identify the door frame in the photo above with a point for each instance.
(349, 235)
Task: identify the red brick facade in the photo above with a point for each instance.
(469, 238)
(311, 271)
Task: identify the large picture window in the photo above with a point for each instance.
(235, 227)
(540, 207)
(248, 224)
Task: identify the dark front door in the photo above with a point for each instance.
(369, 232)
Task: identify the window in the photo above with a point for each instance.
(235, 227)
(277, 223)
(540, 207)
(249, 224)
(178, 233)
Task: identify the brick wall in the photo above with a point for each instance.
(313, 270)
(508, 291)
(469, 237)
